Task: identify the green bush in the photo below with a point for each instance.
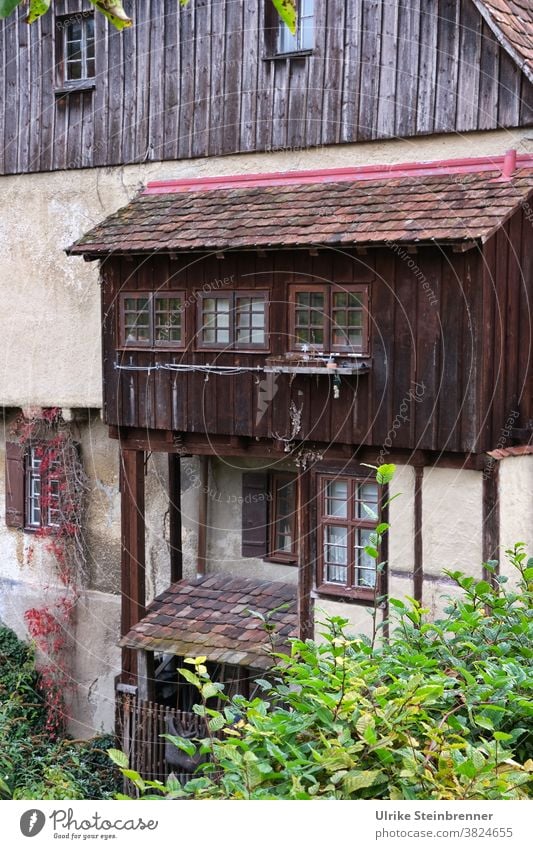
(441, 710)
(31, 765)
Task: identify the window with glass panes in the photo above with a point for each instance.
(283, 518)
(42, 489)
(78, 48)
(330, 318)
(233, 320)
(304, 37)
(152, 320)
(349, 511)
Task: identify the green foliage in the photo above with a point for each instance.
(442, 710)
(31, 765)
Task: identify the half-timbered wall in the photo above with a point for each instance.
(423, 387)
(196, 81)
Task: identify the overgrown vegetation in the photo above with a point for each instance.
(442, 710)
(32, 764)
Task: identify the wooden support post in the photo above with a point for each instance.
(145, 675)
(491, 516)
(133, 551)
(306, 622)
(418, 574)
(201, 563)
(174, 514)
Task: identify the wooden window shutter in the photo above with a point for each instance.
(14, 485)
(255, 497)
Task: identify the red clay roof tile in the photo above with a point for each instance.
(180, 621)
(428, 207)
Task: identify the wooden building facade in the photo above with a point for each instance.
(212, 78)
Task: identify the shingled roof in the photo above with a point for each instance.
(511, 21)
(426, 207)
(212, 616)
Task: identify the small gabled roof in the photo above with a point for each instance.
(434, 202)
(212, 616)
(511, 21)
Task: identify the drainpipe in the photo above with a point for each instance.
(202, 518)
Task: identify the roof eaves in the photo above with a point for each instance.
(489, 19)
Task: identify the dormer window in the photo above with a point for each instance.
(304, 37)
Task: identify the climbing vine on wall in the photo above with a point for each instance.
(61, 503)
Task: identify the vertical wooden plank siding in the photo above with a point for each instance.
(133, 597)
(201, 81)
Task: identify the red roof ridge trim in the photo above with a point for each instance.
(471, 165)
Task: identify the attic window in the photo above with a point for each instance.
(279, 39)
(75, 51)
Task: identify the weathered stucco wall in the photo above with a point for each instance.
(516, 507)
(50, 351)
(28, 579)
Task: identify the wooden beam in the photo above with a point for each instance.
(306, 623)
(174, 516)
(133, 598)
(491, 517)
(418, 573)
(145, 675)
(201, 562)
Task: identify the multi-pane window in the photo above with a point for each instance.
(349, 510)
(329, 319)
(304, 37)
(42, 489)
(233, 320)
(283, 518)
(152, 320)
(78, 48)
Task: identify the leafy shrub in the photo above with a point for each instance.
(441, 710)
(32, 765)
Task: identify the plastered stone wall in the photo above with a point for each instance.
(516, 507)
(50, 351)
(452, 521)
(28, 578)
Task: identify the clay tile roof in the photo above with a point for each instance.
(511, 21)
(511, 451)
(425, 207)
(187, 620)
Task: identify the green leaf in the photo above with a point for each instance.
(385, 473)
(209, 690)
(7, 6)
(357, 779)
(118, 758)
(287, 11)
(191, 678)
(216, 723)
(37, 9)
(114, 12)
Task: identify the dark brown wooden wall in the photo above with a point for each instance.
(506, 379)
(423, 390)
(194, 82)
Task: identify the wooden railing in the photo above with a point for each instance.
(140, 726)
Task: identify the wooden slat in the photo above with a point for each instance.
(391, 42)
(371, 54)
(407, 70)
(133, 549)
